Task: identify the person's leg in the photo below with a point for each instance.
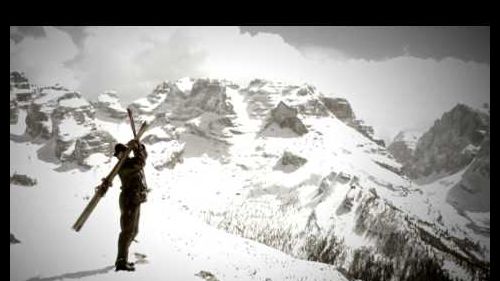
(131, 227)
(127, 224)
(136, 215)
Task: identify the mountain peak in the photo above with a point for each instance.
(109, 104)
(409, 137)
(276, 163)
(446, 146)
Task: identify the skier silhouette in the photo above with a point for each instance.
(133, 194)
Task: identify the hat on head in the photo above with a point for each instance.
(119, 147)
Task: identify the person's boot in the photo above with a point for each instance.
(124, 265)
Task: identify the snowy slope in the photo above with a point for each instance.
(257, 200)
(177, 245)
(216, 155)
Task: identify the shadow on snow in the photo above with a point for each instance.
(75, 275)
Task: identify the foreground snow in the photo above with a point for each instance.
(177, 246)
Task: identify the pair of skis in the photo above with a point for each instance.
(106, 182)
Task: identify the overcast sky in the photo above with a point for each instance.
(394, 77)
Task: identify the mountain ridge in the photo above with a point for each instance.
(296, 177)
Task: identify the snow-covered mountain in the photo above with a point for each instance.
(451, 143)
(108, 104)
(279, 164)
(457, 143)
(403, 146)
(343, 111)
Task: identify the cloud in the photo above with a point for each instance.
(468, 43)
(133, 60)
(243, 57)
(393, 94)
(405, 92)
(18, 33)
(42, 57)
(319, 53)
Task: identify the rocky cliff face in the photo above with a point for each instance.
(459, 142)
(20, 88)
(21, 93)
(184, 110)
(262, 95)
(342, 109)
(450, 144)
(38, 120)
(152, 103)
(93, 142)
(58, 114)
(109, 104)
(185, 99)
(403, 146)
(316, 188)
(286, 117)
(472, 193)
(289, 162)
(14, 112)
(73, 118)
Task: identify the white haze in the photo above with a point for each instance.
(391, 95)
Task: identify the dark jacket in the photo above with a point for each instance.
(131, 172)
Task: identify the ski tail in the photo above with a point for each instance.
(87, 211)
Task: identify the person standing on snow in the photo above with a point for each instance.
(133, 194)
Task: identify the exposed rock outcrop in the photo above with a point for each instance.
(210, 95)
(21, 95)
(185, 99)
(94, 142)
(20, 89)
(13, 239)
(19, 80)
(472, 193)
(38, 123)
(289, 158)
(286, 117)
(20, 179)
(342, 110)
(109, 104)
(14, 112)
(289, 162)
(206, 275)
(39, 113)
(72, 119)
(205, 96)
(403, 147)
(154, 102)
(66, 117)
(451, 143)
